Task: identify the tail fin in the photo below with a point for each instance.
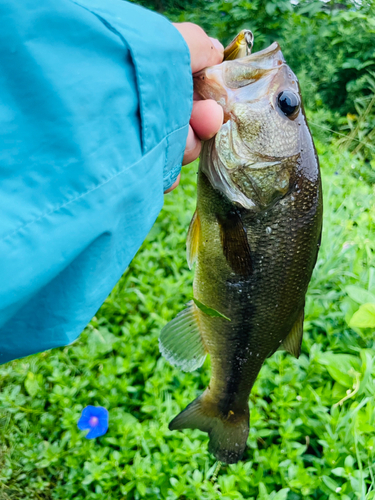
(228, 433)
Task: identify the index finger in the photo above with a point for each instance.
(204, 51)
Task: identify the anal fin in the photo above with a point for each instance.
(181, 342)
(292, 343)
(192, 240)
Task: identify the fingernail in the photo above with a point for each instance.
(218, 46)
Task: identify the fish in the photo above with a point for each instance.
(254, 239)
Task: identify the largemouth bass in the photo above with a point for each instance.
(254, 237)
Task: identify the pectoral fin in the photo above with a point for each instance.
(192, 240)
(181, 342)
(293, 341)
(235, 245)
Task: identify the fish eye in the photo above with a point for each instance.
(289, 103)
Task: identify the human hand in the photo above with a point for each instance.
(207, 116)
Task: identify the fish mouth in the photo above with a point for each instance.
(264, 60)
(246, 79)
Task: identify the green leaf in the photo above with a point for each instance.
(341, 367)
(270, 8)
(367, 366)
(88, 479)
(359, 295)
(332, 485)
(209, 310)
(141, 487)
(339, 471)
(101, 341)
(338, 391)
(311, 9)
(280, 495)
(263, 493)
(197, 476)
(364, 317)
(352, 63)
(31, 384)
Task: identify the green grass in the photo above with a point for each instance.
(301, 444)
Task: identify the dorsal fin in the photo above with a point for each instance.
(192, 240)
(292, 343)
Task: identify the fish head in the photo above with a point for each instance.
(259, 149)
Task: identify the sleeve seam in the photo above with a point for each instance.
(115, 31)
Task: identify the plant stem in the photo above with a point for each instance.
(216, 472)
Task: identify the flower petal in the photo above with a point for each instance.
(98, 431)
(100, 412)
(88, 411)
(85, 422)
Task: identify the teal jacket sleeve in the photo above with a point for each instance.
(95, 103)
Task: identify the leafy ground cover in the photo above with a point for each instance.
(303, 443)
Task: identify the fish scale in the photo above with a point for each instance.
(254, 237)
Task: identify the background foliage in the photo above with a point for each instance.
(313, 419)
(330, 46)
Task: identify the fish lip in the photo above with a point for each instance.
(268, 52)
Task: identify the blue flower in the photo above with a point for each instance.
(95, 420)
